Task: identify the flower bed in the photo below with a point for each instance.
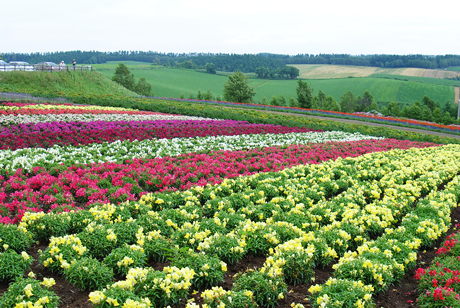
(439, 284)
(400, 197)
(366, 205)
(82, 133)
(62, 189)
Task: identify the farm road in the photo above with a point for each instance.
(409, 129)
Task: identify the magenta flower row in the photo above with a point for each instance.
(46, 135)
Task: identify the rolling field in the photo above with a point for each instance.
(324, 71)
(168, 82)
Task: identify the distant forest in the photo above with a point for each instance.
(242, 62)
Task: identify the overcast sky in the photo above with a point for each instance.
(236, 26)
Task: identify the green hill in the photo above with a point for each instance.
(169, 82)
(90, 82)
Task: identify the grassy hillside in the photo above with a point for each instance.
(90, 82)
(383, 90)
(169, 82)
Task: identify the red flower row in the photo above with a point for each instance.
(78, 186)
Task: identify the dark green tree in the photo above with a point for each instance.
(364, 103)
(393, 109)
(124, 77)
(405, 112)
(347, 102)
(293, 102)
(437, 115)
(415, 111)
(427, 115)
(274, 101)
(447, 119)
(207, 96)
(210, 68)
(142, 87)
(428, 102)
(320, 100)
(237, 88)
(304, 94)
(281, 100)
(262, 72)
(374, 106)
(331, 104)
(199, 95)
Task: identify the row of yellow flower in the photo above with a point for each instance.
(327, 197)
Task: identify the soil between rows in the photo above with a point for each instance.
(402, 295)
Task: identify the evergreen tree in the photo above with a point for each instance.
(415, 111)
(427, 114)
(437, 115)
(393, 109)
(292, 102)
(331, 104)
(281, 100)
(374, 106)
(447, 119)
(237, 88)
(405, 112)
(304, 94)
(347, 101)
(124, 77)
(274, 101)
(142, 87)
(428, 102)
(210, 68)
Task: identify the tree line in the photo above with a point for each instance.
(247, 63)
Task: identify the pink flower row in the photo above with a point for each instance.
(61, 134)
(79, 186)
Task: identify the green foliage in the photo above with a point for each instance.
(17, 238)
(347, 101)
(437, 115)
(117, 295)
(159, 286)
(123, 77)
(415, 111)
(426, 114)
(274, 101)
(217, 296)
(210, 68)
(121, 259)
(304, 94)
(341, 293)
(142, 87)
(13, 264)
(393, 109)
(209, 270)
(61, 251)
(267, 290)
(88, 274)
(226, 247)
(30, 293)
(237, 88)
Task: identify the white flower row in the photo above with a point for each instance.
(21, 119)
(119, 151)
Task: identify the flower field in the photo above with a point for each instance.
(143, 209)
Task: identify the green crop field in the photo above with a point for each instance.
(438, 81)
(454, 68)
(170, 82)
